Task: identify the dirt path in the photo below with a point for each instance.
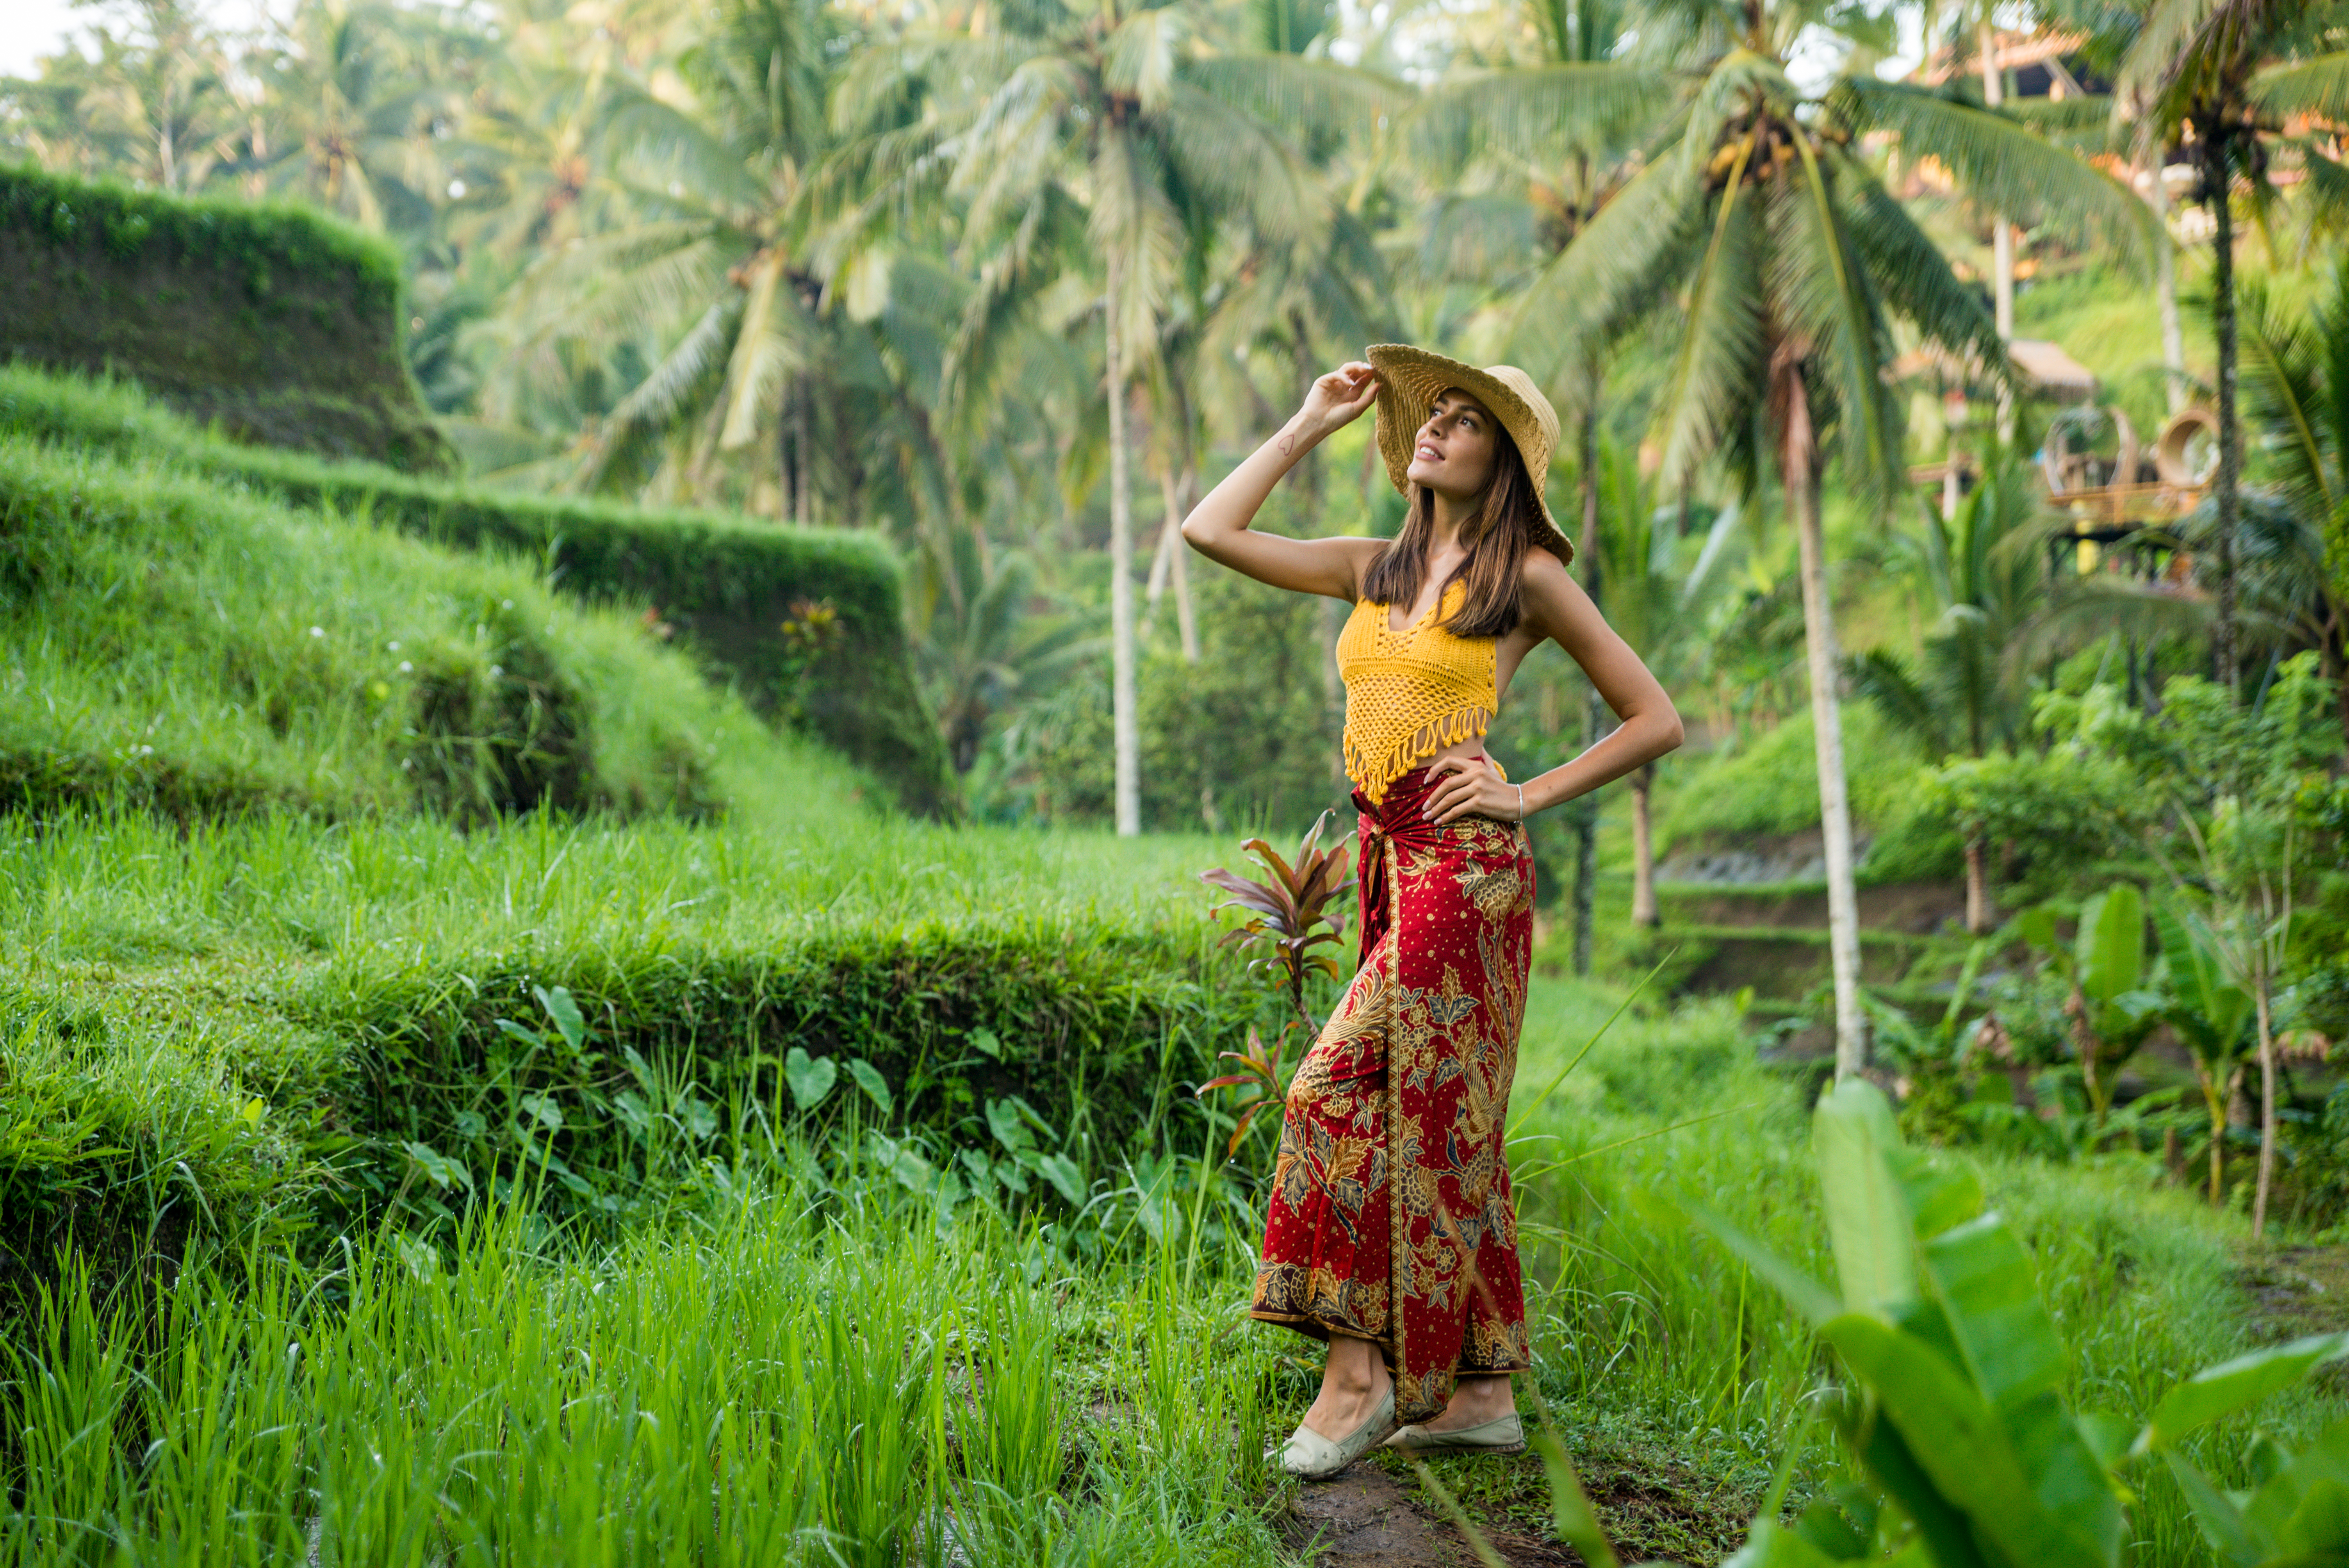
(1366, 1519)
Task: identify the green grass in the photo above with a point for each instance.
(338, 988)
(813, 1373)
(173, 645)
(721, 584)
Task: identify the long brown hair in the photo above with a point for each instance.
(1510, 522)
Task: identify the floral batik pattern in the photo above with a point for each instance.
(1391, 1217)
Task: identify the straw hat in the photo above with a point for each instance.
(1411, 379)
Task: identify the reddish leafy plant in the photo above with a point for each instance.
(1290, 914)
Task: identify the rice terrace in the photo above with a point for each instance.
(1243, 782)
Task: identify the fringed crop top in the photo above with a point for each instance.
(1410, 693)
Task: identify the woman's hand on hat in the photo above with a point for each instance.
(1474, 787)
(1338, 399)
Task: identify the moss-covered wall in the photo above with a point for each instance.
(277, 323)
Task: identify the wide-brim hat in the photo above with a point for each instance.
(1411, 379)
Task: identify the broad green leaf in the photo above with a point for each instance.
(1804, 1293)
(1867, 1215)
(1987, 1287)
(564, 1012)
(1890, 1463)
(2110, 946)
(2037, 927)
(868, 1079)
(1003, 1120)
(810, 1081)
(1960, 1444)
(2221, 1521)
(1939, 1194)
(1770, 1545)
(2221, 1390)
(1062, 1173)
(986, 1042)
(444, 1171)
(2304, 1508)
(2068, 1479)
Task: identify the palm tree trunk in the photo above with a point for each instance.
(1586, 817)
(2267, 1109)
(1978, 910)
(2214, 1100)
(1643, 850)
(2002, 232)
(1125, 726)
(1799, 458)
(2165, 288)
(1167, 566)
(1187, 619)
(2231, 439)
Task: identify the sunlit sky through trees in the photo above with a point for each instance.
(32, 29)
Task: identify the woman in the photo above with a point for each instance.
(1391, 1233)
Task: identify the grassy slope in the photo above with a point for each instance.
(176, 643)
(723, 583)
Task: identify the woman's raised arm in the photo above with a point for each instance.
(1218, 527)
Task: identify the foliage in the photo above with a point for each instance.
(725, 584)
(1290, 912)
(2213, 1015)
(277, 322)
(2111, 1009)
(1954, 1414)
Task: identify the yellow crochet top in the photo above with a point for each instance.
(1408, 694)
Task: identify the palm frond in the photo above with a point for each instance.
(1999, 161)
(1142, 56)
(1305, 97)
(1245, 168)
(1823, 288)
(1722, 345)
(1914, 274)
(2318, 87)
(1891, 682)
(2284, 394)
(1623, 261)
(1537, 113)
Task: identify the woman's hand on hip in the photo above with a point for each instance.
(1472, 787)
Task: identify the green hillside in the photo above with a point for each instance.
(719, 586)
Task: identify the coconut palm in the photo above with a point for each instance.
(1754, 215)
(2222, 81)
(355, 87)
(154, 106)
(1116, 112)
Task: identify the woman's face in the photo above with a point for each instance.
(1453, 451)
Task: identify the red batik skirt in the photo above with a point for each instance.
(1390, 1218)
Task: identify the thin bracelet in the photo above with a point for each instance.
(1521, 802)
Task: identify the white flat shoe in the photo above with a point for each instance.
(1309, 1456)
(1501, 1435)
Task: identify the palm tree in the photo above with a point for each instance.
(1977, 592)
(154, 106)
(1114, 111)
(2217, 79)
(1755, 216)
(353, 90)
